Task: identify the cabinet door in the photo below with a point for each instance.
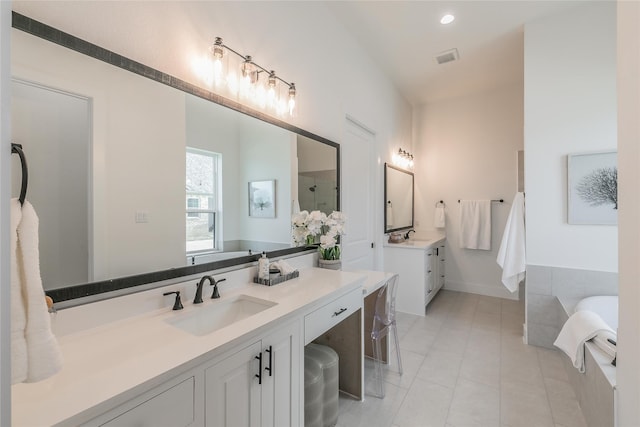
(281, 377)
(441, 266)
(429, 264)
(170, 405)
(232, 393)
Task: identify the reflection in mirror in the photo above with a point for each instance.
(398, 196)
(317, 176)
(157, 178)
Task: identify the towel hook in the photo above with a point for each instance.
(440, 202)
(17, 148)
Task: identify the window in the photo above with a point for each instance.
(201, 200)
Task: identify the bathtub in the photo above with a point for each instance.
(217, 256)
(595, 388)
(605, 306)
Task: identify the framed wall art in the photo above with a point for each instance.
(262, 199)
(593, 188)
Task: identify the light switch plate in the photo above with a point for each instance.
(142, 216)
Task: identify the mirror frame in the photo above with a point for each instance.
(390, 230)
(54, 35)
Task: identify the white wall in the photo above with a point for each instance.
(570, 107)
(266, 154)
(628, 368)
(5, 194)
(466, 148)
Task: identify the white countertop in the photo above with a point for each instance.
(416, 243)
(109, 361)
(374, 280)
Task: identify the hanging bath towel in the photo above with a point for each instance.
(511, 256)
(439, 217)
(37, 356)
(475, 224)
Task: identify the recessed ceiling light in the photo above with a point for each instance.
(447, 19)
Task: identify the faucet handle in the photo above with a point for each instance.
(215, 293)
(198, 298)
(177, 305)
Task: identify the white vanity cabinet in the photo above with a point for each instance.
(421, 269)
(258, 385)
(178, 378)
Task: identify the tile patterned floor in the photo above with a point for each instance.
(465, 365)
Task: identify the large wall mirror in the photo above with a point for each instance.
(398, 199)
(130, 175)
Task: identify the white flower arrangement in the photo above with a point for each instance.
(306, 226)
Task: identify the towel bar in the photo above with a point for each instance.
(493, 200)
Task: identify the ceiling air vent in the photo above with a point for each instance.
(447, 56)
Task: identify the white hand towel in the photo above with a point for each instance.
(43, 357)
(581, 327)
(439, 217)
(19, 360)
(284, 267)
(475, 224)
(511, 256)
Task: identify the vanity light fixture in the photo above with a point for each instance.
(403, 159)
(254, 82)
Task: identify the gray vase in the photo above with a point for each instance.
(330, 264)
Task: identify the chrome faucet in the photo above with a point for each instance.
(406, 235)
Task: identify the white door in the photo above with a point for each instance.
(357, 196)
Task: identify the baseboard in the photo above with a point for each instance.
(473, 288)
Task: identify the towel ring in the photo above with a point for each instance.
(17, 148)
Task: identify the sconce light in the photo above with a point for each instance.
(254, 82)
(403, 159)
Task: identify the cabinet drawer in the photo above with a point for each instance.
(330, 314)
(171, 408)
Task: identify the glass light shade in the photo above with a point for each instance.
(249, 71)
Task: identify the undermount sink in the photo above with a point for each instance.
(214, 315)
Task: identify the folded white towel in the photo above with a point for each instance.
(511, 256)
(283, 266)
(439, 217)
(579, 328)
(42, 357)
(475, 224)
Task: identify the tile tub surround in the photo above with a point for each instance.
(595, 388)
(465, 365)
(546, 284)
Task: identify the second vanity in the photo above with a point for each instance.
(163, 368)
(421, 264)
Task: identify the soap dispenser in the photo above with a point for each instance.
(263, 267)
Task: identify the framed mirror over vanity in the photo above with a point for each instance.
(398, 198)
(140, 177)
